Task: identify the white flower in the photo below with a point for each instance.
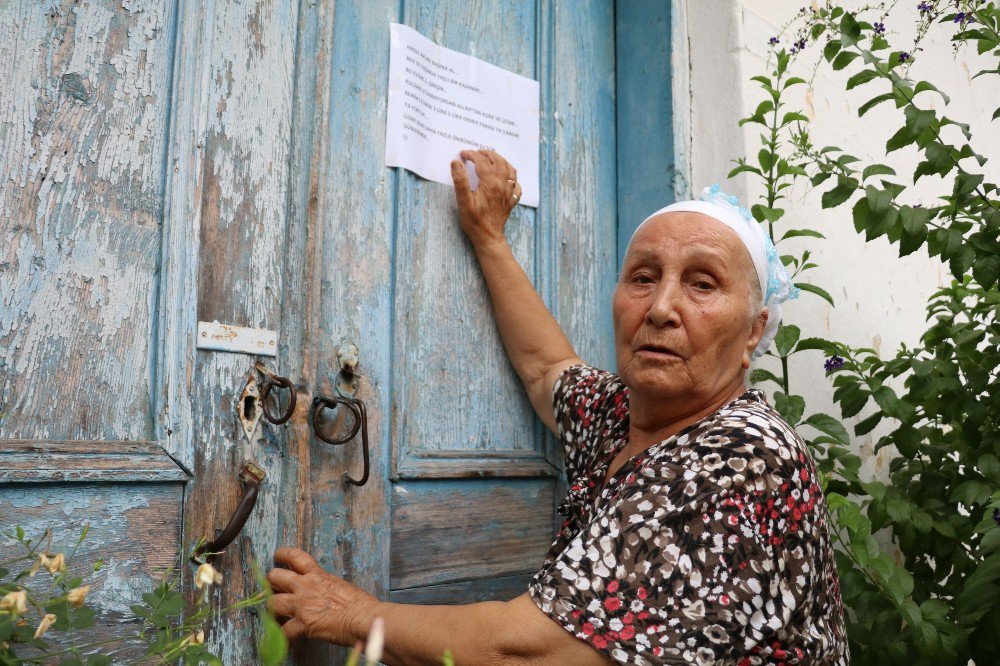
(376, 640)
(52, 564)
(78, 595)
(44, 625)
(15, 602)
(55, 564)
(206, 576)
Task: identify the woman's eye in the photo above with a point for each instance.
(704, 285)
(642, 278)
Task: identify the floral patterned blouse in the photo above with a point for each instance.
(710, 547)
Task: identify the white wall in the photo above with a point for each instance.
(880, 297)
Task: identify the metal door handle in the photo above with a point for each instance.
(275, 381)
(357, 408)
(251, 476)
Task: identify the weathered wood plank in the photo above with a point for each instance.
(134, 529)
(39, 461)
(343, 216)
(466, 592)
(454, 388)
(581, 141)
(242, 197)
(83, 113)
(448, 531)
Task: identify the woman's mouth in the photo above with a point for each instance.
(657, 351)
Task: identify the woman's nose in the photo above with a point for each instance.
(663, 309)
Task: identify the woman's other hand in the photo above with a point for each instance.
(484, 213)
(313, 603)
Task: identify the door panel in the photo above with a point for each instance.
(84, 114)
(449, 531)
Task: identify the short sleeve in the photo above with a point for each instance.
(686, 570)
(587, 403)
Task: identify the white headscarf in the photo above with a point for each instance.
(776, 286)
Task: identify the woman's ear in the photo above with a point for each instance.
(756, 333)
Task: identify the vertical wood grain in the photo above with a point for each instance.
(350, 243)
(245, 113)
(83, 111)
(583, 162)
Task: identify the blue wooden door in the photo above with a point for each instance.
(184, 162)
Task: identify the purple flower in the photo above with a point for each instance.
(996, 516)
(904, 56)
(799, 45)
(879, 28)
(958, 17)
(773, 41)
(924, 7)
(833, 363)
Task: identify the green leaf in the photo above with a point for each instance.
(867, 424)
(850, 30)
(911, 613)
(273, 646)
(874, 101)
(759, 375)
(890, 403)
(762, 213)
(862, 77)
(829, 425)
(744, 168)
(965, 183)
(840, 193)
(785, 339)
(989, 466)
(793, 233)
(793, 116)
(815, 343)
(971, 492)
(876, 170)
(904, 136)
(843, 59)
(923, 86)
(813, 289)
(790, 407)
(831, 49)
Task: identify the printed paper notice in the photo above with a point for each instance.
(442, 101)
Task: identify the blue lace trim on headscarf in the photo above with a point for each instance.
(780, 287)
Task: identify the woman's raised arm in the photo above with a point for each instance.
(535, 344)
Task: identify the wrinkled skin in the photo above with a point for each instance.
(312, 603)
(683, 332)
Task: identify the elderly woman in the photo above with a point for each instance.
(695, 525)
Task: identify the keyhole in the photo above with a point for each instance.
(249, 407)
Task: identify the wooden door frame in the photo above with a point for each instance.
(653, 102)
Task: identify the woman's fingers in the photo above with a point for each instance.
(483, 165)
(295, 559)
(282, 605)
(517, 192)
(294, 630)
(282, 580)
(463, 190)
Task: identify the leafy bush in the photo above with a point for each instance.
(940, 505)
(172, 628)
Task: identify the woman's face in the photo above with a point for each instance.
(682, 310)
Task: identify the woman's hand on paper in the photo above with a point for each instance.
(484, 212)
